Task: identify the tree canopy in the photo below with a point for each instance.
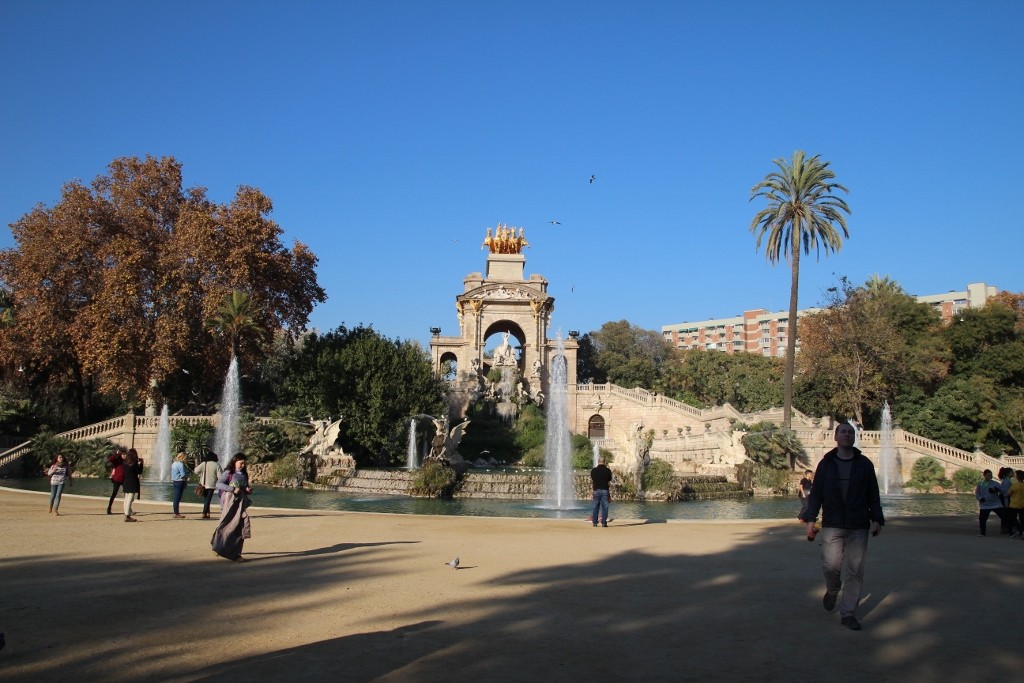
(111, 287)
(373, 383)
(624, 354)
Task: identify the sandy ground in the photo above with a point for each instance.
(368, 597)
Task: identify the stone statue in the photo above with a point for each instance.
(537, 367)
(504, 355)
(322, 441)
(445, 444)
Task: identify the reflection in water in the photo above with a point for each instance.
(742, 508)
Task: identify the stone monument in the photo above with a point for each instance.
(502, 300)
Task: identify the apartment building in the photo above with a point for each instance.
(763, 332)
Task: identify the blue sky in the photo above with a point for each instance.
(390, 134)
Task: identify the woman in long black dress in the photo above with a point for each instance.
(132, 482)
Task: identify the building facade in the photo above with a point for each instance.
(765, 333)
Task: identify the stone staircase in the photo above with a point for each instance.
(366, 482)
(505, 485)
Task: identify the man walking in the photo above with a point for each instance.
(601, 477)
(846, 491)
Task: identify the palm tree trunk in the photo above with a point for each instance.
(787, 401)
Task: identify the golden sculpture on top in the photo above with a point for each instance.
(505, 240)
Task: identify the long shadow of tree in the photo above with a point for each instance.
(933, 615)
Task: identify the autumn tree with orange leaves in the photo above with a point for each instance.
(111, 288)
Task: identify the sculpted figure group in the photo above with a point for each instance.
(505, 240)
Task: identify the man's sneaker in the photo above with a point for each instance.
(851, 623)
(828, 601)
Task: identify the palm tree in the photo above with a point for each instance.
(802, 213)
(235, 320)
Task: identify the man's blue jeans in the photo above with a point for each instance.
(842, 560)
(600, 506)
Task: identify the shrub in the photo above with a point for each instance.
(434, 479)
(769, 444)
(626, 488)
(753, 475)
(90, 457)
(194, 439)
(286, 468)
(659, 476)
(965, 479)
(926, 474)
(582, 452)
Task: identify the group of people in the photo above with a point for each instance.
(231, 483)
(1005, 497)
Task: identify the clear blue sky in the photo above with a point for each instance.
(391, 134)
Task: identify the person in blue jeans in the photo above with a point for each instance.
(59, 472)
(179, 479)
(601, 477)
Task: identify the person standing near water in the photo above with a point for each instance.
(804, 490)
(132, 482)
(233, 528)
(987, 492)
(116, 462)
(208, 471)
(59, 472)
(845, 490)
(179, 480)
(601, 477)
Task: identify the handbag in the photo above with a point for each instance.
(200, 490)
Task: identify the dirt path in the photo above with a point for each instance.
(367, 597)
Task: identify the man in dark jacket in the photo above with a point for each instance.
(846, 491)
(601, 477)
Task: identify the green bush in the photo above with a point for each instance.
(286, 468)
(965, 479)
(87, 458)
(659, 476)
(769, 444)
(434, 479)
(752, 475)
(90, 457)
(534, 457)
(194, 439)
(582, 452)
(927, 473)
(626, 488)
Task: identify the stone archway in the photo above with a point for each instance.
(595, 427)
(501, 300)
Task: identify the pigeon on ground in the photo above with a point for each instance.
(454, 564)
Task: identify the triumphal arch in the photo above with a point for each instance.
(502, 301)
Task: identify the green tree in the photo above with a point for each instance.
(803, 212)
(768, 444)
(703, 378)
(623, 354)
(864, 348)
(372, 383)
(235, 321)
